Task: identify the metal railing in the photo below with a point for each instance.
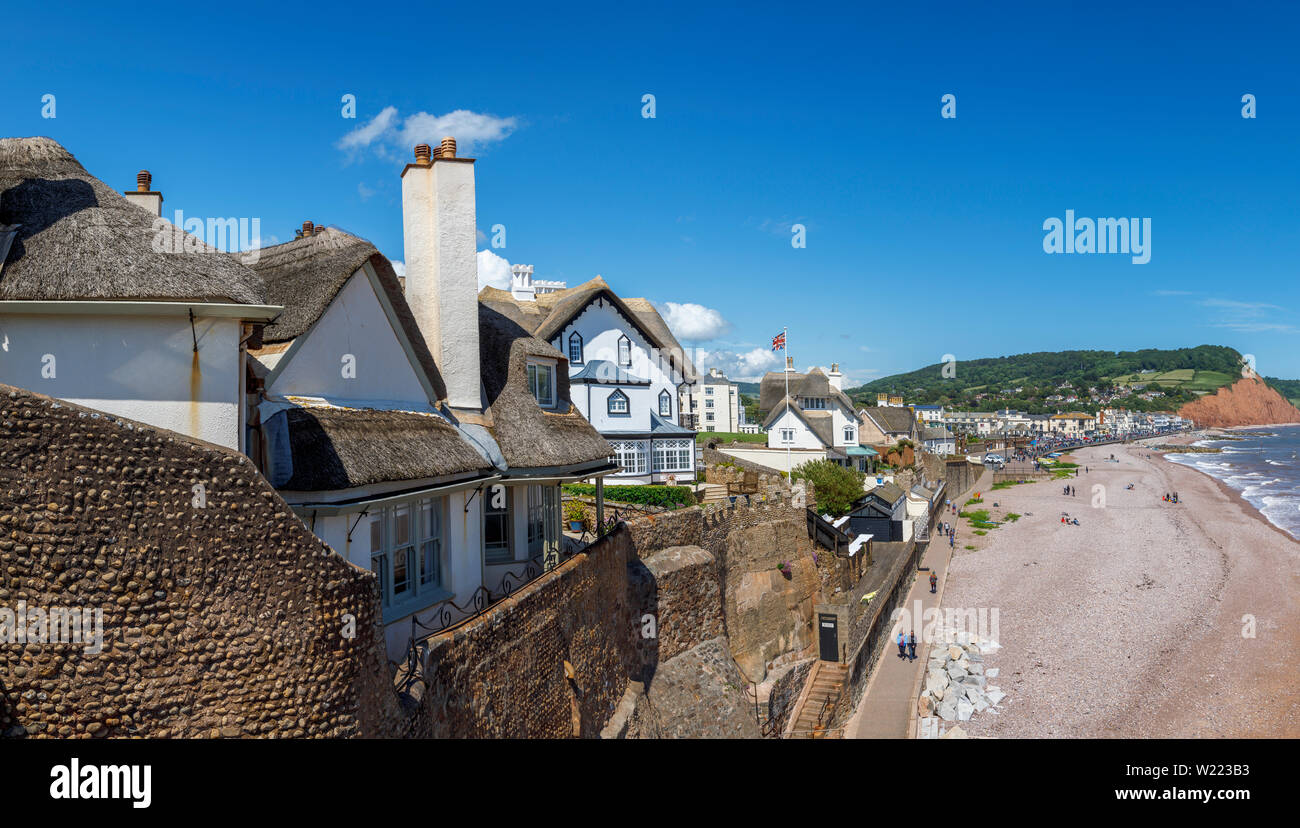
(449, 614)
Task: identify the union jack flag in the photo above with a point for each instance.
(778, 341)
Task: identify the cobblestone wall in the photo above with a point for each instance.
(222, 615)
(551, 661)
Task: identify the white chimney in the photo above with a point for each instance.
(521, 283)
(439, 232)
(835, 377)
(143, 196)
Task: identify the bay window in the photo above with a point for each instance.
(674, 455)
(406, 542)
(631, 455)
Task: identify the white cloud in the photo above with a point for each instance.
(745, 367)
(368, 133)
(693, 322)
(386, 131)
(493, 271)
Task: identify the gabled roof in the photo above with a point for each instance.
(304, 276)
(820, 423)
(772, 388)
(889, 493)
(936, 433)
(79, 239)
(547, 315)
(890, 418)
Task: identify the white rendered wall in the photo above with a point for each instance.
(803, 438)
(354, 325)
(600, 328)
(139, 367)
(592, 400)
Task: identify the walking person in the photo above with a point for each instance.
(911, 646)
(934, 583)
(902, 645)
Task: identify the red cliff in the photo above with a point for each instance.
(1246, 402)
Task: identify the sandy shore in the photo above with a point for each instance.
(1131, 623)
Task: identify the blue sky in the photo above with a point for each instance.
(924, 235)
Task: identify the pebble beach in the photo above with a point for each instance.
(1131, 623)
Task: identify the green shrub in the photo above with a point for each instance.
(980, 532)
(837, 487)
(1012, 517)
(667, 497)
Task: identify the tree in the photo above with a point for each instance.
(836, 487)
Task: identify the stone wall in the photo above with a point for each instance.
(550, 661)
(675, 594)
(222, 614)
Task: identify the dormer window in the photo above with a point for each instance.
(617, 404)
(541, 381)
(665, 404)
(575, 348)
(624, 351)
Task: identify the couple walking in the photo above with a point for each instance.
(906, 645)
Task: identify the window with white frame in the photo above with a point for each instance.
(617, 404)
(406, 543)
(665, 404)
(541, 381)
(543, 519)
(497, 524)
(575, 348)
(850, 434)
(814, 403)
(674, 455)
(624, 351)
(631, 455)
(708, 389)
(787, 435)
(708, 403)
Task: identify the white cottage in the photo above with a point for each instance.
(92, 312)
(624, 370)
(417, 431)
(811, 411)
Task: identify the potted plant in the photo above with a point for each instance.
(785, 569)
(575, 514)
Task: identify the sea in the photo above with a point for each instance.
(1262, 463)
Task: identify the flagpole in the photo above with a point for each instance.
(785, 369)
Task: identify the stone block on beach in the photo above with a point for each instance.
(955, 672)
(964, 710)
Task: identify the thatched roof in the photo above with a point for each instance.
(340, 448)
(305, 275)
(820, 423)
(890, 418)
(530, 436)
(80, 239)
(547, 315)
(772, 389)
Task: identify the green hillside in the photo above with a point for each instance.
(1024, 381)
(1287, 388)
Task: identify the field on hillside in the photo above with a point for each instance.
(1188, 379)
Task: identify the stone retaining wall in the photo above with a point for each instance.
(222, 614)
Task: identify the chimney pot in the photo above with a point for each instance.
(143, 181)
(320, 228)
(306, 228)
(448, 147)
(422, 154)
